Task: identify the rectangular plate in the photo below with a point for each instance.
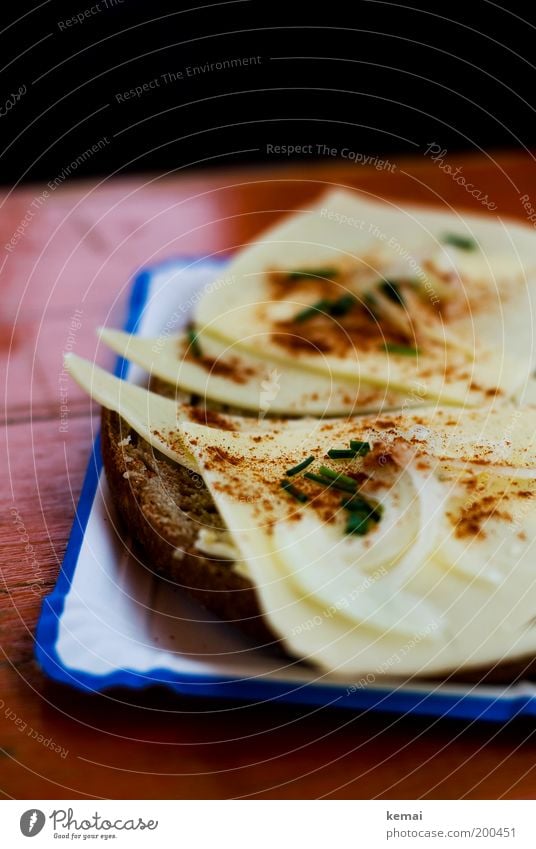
(110, 622)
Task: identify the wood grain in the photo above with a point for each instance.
(76, 258)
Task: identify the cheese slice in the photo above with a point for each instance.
(465, 354)
(226, 374)
(502, 436)
(156, 418)
(504, 509)
(152, 416)
(396, 600)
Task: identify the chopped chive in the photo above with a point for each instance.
(297, 273)
(391, 290)
(341, 453)
(342, 305)
(358, 514)
(193, 341)
(464, 243)
(331, 482)
(294, 491)
(317, 478)
(338, 480)
(404, 350)
(334, 475)
(362, 514)
(321, 306)
(360, 448)
(377, 513)
(300, 466)
(357, 524)
(357, 504)
(338, 307)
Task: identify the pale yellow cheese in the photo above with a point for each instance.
(152, 416)
(229, 375)
(347, 607)
(387, 241)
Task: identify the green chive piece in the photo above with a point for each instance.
(333, 483)
(360, 448)
(193, 341)
(342, 305)
(338, 477)
(298, 273)
(464, 243)
(357, 524)
(341, 453)
(294, 491)
(404, 350)
(362, 514)
(321, 306)
(391, 290)
(300, 467)
(357, 504)
(377, 513)
(317, 478)
(336, 308)
(334, 474)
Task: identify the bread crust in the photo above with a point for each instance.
(163, 505)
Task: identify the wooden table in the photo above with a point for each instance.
(76, 250)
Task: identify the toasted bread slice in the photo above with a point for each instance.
(164, 506)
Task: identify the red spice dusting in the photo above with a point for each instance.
(385, 423)
(210, 418)
(337, 335)
(357, 329)
(360, 477)
(469, 521)
(231, 367)
(217, 453)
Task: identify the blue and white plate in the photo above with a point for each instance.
(110, 622)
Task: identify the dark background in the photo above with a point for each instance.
(374, 77)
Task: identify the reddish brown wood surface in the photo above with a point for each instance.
(78, 252)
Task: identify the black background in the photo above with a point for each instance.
(370, 76)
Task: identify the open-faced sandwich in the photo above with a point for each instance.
(338, 453)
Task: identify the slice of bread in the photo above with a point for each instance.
(164, 506)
